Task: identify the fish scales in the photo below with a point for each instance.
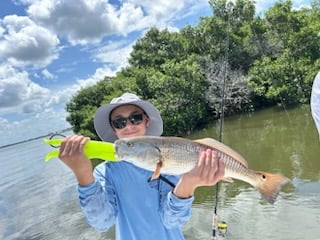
(233, 166)
(185, 157)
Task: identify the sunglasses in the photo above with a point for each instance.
(121, 122)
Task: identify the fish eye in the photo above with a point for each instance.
(129, 144)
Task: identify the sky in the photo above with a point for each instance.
(50, 49)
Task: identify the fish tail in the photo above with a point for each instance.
(270, 185)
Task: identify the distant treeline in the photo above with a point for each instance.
(264, 60)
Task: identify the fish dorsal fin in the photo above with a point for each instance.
(222, 148)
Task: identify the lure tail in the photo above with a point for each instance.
(92, 149)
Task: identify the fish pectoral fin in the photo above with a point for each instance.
(156, 172)
(227, 179)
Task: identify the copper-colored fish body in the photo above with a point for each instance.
(180, 155)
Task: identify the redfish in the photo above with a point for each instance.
(180, 155)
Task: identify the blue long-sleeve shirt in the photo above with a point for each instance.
(141, 209)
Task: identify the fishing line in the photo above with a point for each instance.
(284, 108)
(215, 223)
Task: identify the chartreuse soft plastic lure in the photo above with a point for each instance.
(92, 149)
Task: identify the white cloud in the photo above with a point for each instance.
(4, 123)
(65, 94)
(19, 94)
(47, 75)
(31, 107)
(42, 117)
(17, 89)
(99, 74)
(115, 54)
(162, 9)
(194, 9)
(88, 22)
(24, 43)
(80, 21)
(2, 30)
(131, 18)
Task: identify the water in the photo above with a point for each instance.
(38, 200)
(276, 141)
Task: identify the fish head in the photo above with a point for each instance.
(139, 152)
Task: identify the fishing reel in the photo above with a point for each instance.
(219, 230)
(222, 229)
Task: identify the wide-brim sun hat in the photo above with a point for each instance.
(101, 119)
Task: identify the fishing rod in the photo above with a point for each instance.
(216, 225)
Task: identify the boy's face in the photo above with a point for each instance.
(127, 121)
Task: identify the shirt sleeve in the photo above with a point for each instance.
(98, 201)
(174, 211)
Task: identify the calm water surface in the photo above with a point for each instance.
(38, 200)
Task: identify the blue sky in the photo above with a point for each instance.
(50, 49)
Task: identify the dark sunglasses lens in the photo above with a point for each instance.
(136, 118)
(119, 123)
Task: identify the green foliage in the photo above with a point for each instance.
(179, 94)
(156, 48)
(176, 89)
(284, 75)
(271, 59)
